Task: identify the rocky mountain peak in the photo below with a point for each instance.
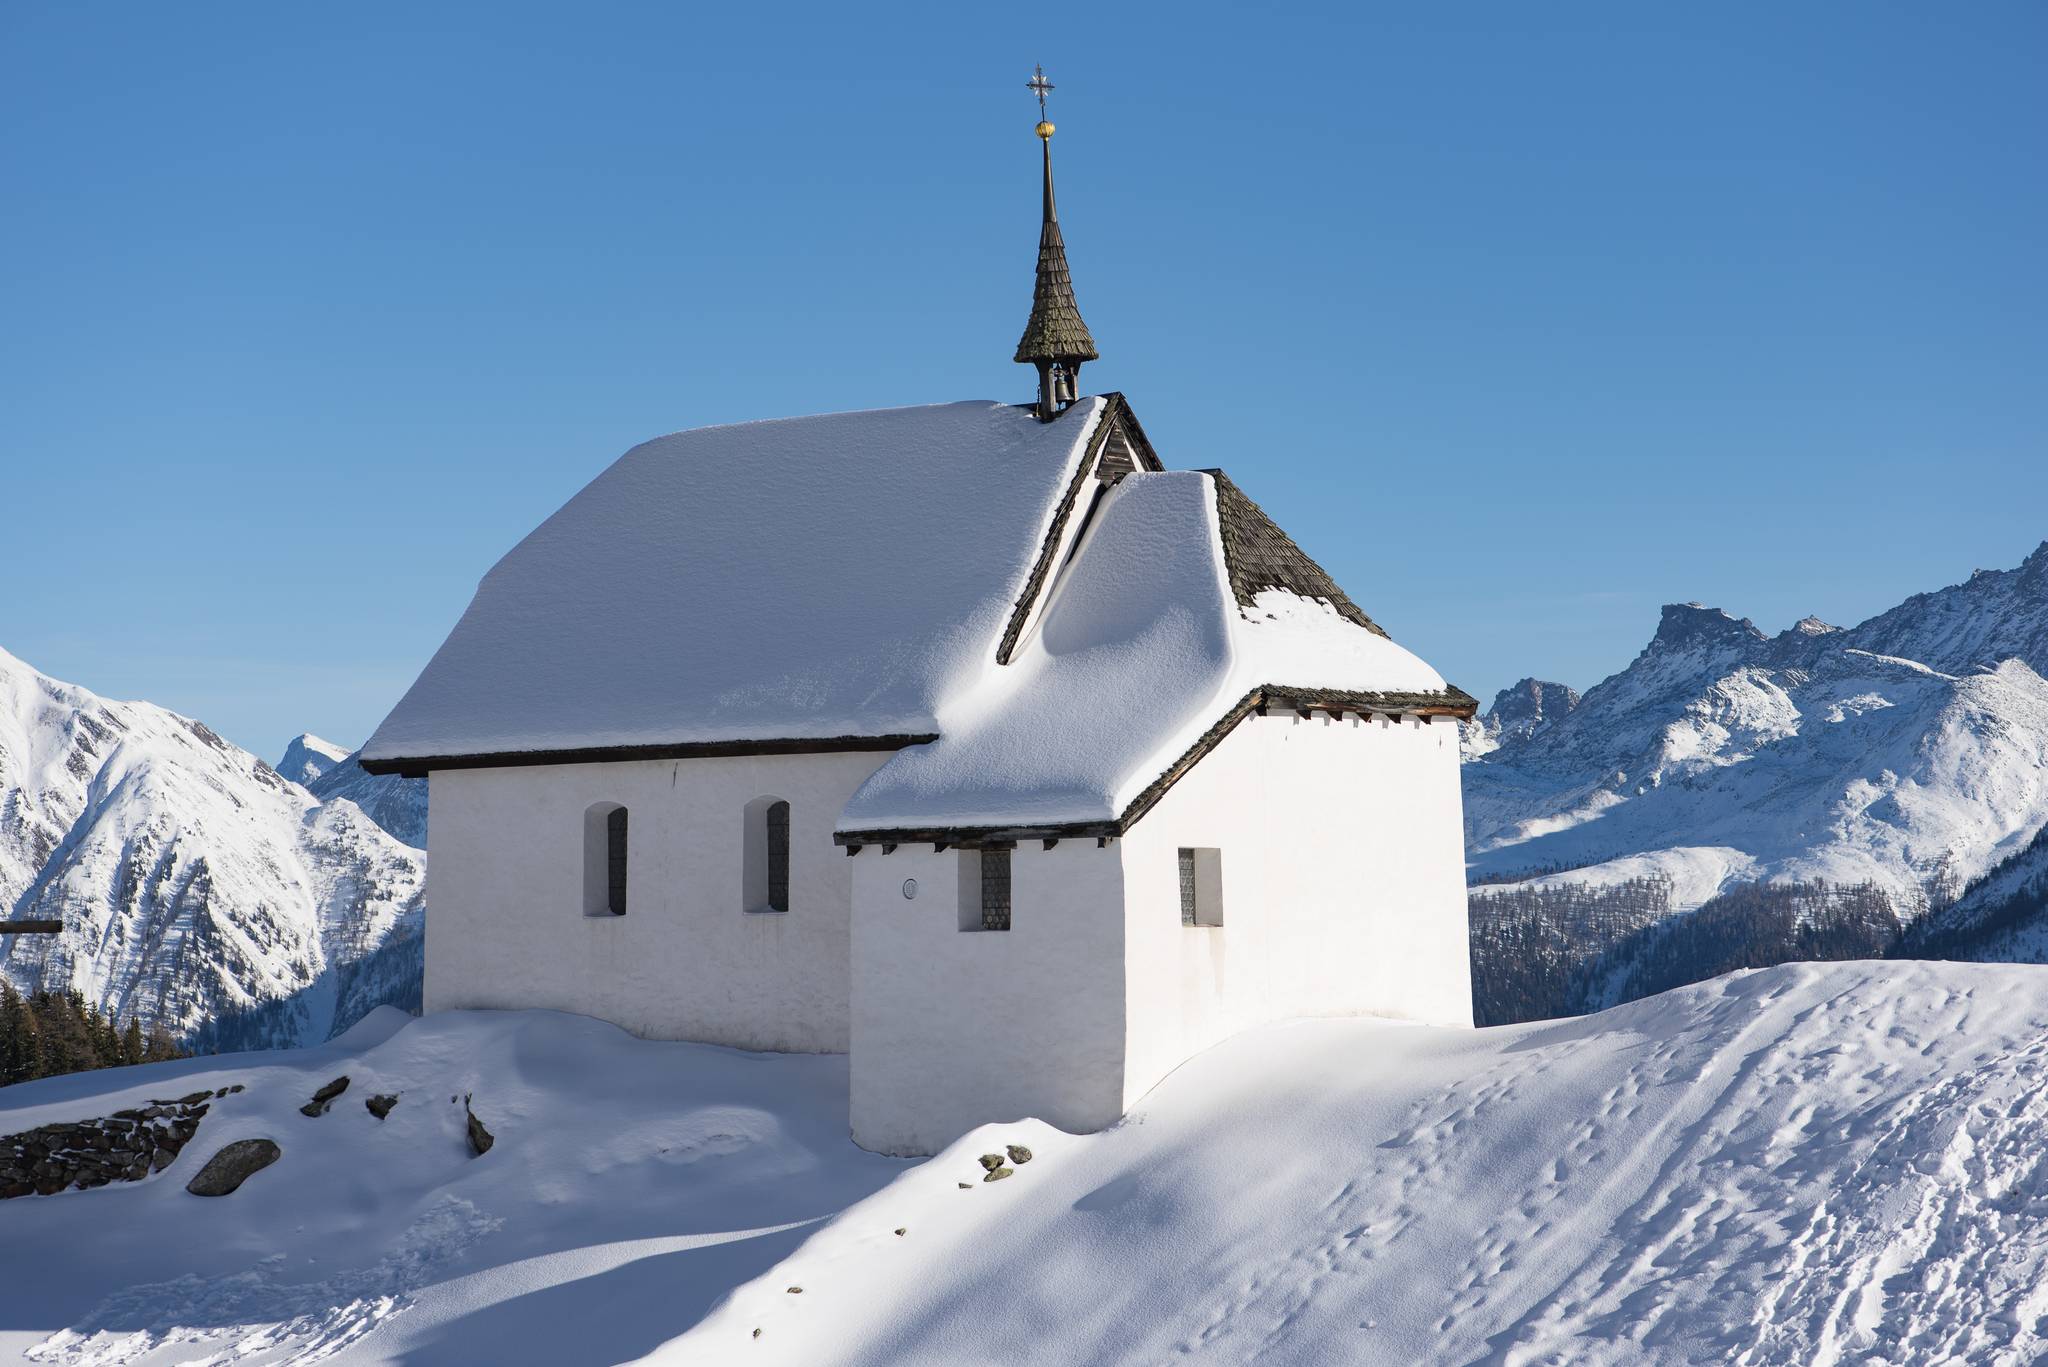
(1909, 751)
(1688, 626)
(1521, 707)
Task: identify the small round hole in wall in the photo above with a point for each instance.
(909, 887)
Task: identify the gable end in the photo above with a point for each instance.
(1259, 556)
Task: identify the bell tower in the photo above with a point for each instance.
(1055, 339)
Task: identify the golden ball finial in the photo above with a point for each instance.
(1045, 130)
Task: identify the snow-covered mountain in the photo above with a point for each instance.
(397, 804)
(2001, 918)
(1517, 714)
(1910, 752)
(308, 757)
(193, 880)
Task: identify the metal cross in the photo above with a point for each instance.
(1040, 87)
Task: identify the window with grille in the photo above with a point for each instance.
(778, 857)
(984, 900)
(1201, 887)
(995, 889)
(604, 860)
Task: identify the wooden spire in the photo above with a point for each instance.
(1055, 339)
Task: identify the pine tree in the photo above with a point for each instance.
(159, 1046)
(66, 1037)
(17, 1037)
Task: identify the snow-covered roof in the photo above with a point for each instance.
(1040, 648)
(804, 579)
(1155, 637)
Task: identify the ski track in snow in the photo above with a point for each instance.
(258, 1315)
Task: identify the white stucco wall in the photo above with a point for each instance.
(957, 1028)
(689, 960)
(1342, 884)
(1343, 887)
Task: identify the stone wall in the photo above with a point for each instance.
(123, 1147)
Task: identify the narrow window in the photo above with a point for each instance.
(778, 857)
(995, 889)
(1201, 887)
(615, 859)
(764, 855)
(604, 860)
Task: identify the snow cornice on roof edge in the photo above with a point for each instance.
(1118, 423)
(1161, 634)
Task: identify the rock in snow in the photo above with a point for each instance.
(324, 1097)
(1812, 1164)
(1910, 752)
(225, 1172)
(480, 1138)
(192, 879)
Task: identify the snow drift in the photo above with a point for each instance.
(1799, 1165)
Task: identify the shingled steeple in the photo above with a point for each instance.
(1055, 339)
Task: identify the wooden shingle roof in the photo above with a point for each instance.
(1259, 556)
(1054, 331)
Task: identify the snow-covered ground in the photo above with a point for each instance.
(1807, 1164)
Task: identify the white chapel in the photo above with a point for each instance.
(969, 740)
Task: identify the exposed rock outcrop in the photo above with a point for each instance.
(126, 1146)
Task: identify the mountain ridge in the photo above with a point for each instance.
(1909, 751)
(193, 880)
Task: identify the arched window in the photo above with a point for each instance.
(765, 858)
(604, 860)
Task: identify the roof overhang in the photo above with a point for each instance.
(1266, 700)
(419, 766)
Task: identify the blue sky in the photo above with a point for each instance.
(1523, 319)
